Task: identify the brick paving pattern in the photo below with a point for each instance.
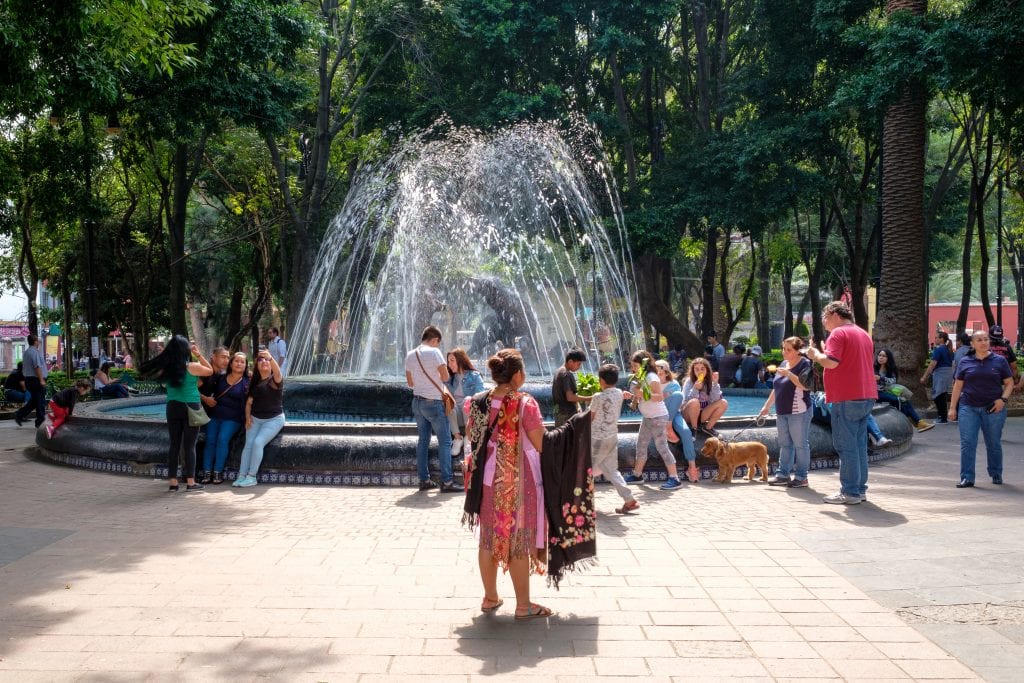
(108, 577)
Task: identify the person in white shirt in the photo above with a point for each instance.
(426, 372)
(278, 349)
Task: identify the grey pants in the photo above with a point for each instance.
(653, 428)
(604, 455)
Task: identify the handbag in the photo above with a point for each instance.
(197, 417)
(446, 396)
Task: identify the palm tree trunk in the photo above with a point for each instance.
(902, 308)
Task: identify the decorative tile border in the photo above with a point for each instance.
(403, 479)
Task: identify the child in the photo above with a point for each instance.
(605, 409)
(63, 404)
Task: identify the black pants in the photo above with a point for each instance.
(942, 406)
(182, 436)
(36, 403)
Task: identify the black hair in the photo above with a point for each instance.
(504, 365)
(430, 332)
(171, 364)
(576, 355)
(106, 366)
(609, 372)
(890, 363)
(739, 348)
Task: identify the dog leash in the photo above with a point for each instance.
(759, 420)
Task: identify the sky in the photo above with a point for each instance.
(12, 306)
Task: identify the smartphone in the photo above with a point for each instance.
(263, 347)
(991, 407)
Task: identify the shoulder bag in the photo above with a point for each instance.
(446, 396)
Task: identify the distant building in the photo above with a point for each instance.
(942, 316)
(13, 341)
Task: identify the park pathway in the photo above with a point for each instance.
(106, 577)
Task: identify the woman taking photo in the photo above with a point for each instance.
(226, 408)
(264, 416)
(791, 395)
(175, 368)
(505, 498)
(463, 381)
(981, 388)
(887, 376)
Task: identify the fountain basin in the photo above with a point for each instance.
(101, 436)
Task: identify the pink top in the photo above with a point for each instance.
(530, 419)
(854, 378)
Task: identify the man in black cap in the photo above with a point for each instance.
(1000, 346)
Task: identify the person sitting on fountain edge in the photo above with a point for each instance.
(425, 372)
(563, 387)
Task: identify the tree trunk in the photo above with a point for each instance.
(902, 309)
(764, 333)
(656, 312)
(707, 284)
(787, 298)
(622, 116)
(965, 267)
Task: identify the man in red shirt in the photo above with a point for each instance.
(851, 390)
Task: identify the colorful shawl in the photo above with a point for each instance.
(569, 498)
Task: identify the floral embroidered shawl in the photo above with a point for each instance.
(569, 498)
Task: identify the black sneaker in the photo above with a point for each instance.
(17, 420)
(428, 484)
(709, 431)
(194, 487)
(779, 481)
(450, 487)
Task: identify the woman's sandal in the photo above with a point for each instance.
(489, 605)
(534, 611)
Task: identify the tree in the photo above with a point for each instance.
(901, 299)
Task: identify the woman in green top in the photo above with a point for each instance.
(175, 368)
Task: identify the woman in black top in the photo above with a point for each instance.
(264, 416)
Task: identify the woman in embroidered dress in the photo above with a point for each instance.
(505, 501)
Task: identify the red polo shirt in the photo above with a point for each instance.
(854, 378)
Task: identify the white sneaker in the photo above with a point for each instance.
(872, 440)
(456, 446)
(883, 442)
(842, 499)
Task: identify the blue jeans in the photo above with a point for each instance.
(682, 430)
(850, 439)
(991, 425)
(873, 428)
(218, 441)
(257, 437)
(794, 444)
(18, 396)
(903, 406)
(430, 417)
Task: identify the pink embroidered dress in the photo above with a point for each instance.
(512, 519)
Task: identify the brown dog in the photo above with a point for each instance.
(732, 455)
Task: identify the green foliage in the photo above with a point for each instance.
(639, 380)
(587, 384)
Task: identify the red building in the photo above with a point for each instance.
(943, 317)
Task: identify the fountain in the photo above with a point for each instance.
(497, 238)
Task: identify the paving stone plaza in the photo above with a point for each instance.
(108, 578)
